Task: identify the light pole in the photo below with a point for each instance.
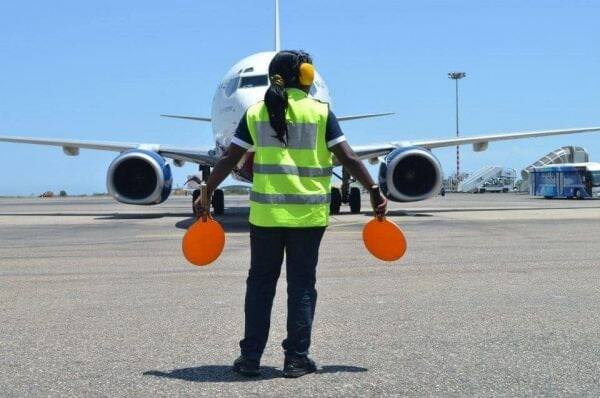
(456, 76)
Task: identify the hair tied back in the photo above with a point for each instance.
(276, 100)
(278, 80)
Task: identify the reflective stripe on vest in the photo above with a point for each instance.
(292, 184)
(300, 136)
(289, 198)
(293, 170)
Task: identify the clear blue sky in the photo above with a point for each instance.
(106, 70)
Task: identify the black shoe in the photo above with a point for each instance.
(246, 367)
(298, 366)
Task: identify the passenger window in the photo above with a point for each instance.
(254, 81)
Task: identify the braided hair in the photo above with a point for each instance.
(283, 73)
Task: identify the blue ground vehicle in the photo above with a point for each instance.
(569, 180)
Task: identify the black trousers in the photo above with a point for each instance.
(267, 246)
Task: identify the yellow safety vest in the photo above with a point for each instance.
(292, 184)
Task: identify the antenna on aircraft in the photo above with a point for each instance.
(277, 35)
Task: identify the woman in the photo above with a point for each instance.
(294, 137)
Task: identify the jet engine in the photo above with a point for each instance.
(139, 177)
(410, 174)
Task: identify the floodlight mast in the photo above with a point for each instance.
(456, 76)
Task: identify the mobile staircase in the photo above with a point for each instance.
(489, 179)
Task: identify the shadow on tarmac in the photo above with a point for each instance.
(224, 373)
(229, 224)
(100, 216)
(134, 216)
(234, 218)
(400, 213)
(431, 212)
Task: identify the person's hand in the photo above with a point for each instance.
(378, 202)
(199, 209)
(202, 206)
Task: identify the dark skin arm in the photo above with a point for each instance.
(350, 161)
(222, 169)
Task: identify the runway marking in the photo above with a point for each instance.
(347, 224)
(180, 235)
(161, 236)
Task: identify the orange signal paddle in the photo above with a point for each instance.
(384, 239)
(204, 240)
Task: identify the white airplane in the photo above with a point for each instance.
(140, 174)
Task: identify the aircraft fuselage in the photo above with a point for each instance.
(242, 86)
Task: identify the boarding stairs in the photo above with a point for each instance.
(476, 181)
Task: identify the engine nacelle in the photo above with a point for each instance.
(139, 177)
(410, 174)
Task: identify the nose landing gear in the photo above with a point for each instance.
(336, 201)
(218, 202)
(218, 198)
(345, 194)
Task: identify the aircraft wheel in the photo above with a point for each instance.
(195, 196)
(578, 194)
(336, 201)
(218, 202)
(355, 200)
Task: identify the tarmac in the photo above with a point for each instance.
(498, 294)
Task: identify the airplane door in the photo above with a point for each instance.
(560, 183)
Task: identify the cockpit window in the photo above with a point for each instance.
(254, 81)
(232, 85)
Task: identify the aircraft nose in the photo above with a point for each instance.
(250, 96)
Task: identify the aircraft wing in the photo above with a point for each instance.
(195, 118)
(72, 147)
(480, 143)
(208, 157)
(363, 116)
(339, 118)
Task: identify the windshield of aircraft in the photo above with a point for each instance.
(254, 81)
(595, 178)
(232, 85)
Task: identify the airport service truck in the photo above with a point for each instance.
(568, 180)
(498, 185)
